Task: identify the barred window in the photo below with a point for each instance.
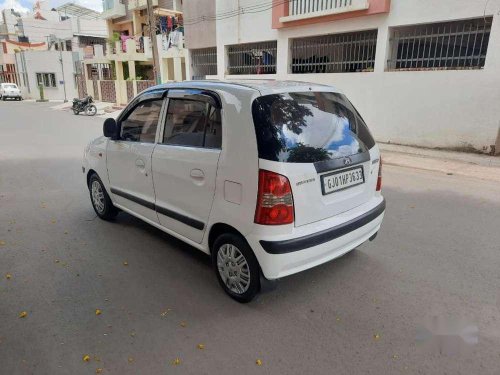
(252, 58)
(438, 46)
(337, 53)
(204, 62)
(46, 79)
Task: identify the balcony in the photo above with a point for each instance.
(304, 9)
(113, 9)
(140, 4)
(170, 46)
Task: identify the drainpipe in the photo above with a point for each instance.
(25, 71)
(62, 70)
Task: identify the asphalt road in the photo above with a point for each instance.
(423, 298)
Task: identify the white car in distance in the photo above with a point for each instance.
(10, 91)
(269, 178)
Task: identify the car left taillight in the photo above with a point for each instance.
(379, 178)
(274, 200)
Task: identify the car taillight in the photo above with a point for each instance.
(379, 178)
(274, 199)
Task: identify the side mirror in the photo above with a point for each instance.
(110, 128)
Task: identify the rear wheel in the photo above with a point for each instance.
(101, 201)
(236, 267)
(91, 110)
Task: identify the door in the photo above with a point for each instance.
(129, 159)
(185, 162)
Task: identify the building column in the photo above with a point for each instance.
(282, 60)
(163, 70)
(131, 69)
(120, 80)
(136, 22)
(177, 69)
(382, 49)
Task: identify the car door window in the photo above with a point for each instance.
(140, 125)
(192, 123)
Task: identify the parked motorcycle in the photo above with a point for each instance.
(84, 105)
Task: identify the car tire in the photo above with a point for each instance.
(236, 267)
(101, 202)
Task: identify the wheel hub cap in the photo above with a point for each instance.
(233, 268)
(98, 196)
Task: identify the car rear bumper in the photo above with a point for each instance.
(319, 242)
(11, 96)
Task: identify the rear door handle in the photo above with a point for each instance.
(197, 174)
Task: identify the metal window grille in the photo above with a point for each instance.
(298, 7)
(252, 58)
(447, 45)
(204, 62)
(337, 53)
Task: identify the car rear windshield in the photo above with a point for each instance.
(10, 86)
(306, 127)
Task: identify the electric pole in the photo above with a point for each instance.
(154, 45)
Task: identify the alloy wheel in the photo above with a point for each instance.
(98, 197)
(233, 268)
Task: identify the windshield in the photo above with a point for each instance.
(10, 86)
(307, 127)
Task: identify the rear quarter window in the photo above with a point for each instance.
(307, 127)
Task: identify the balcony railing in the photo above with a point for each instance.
(113, 9)
(140, 4)
(301, 9)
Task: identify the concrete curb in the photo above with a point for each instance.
(450, 167)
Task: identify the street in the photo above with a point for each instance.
(423, 298)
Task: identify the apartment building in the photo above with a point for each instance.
(44, 48)
(421, 72)
(124, 67)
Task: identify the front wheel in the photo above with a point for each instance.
(76, 111)
(91, 110)
(236, 267)
(101, 201)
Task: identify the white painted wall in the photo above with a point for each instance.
(432, 108)
(47, 62)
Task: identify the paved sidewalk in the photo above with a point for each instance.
(477, 166)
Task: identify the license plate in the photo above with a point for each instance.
(342, 180)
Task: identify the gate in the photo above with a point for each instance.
(82, 87)
(108, 91)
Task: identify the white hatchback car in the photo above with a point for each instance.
(10, 91)
(270, 178)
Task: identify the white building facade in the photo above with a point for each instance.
(421, 72)
(53, 70)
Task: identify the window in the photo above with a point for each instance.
(141, 124)
(306, 127)
(204, 62)
(252, 58)
(46, 79)
(439, 46)
(339, 53)
(193, 123)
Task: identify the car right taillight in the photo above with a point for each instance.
(379, 178)
(274, 199)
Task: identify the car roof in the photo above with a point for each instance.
(264, 86)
